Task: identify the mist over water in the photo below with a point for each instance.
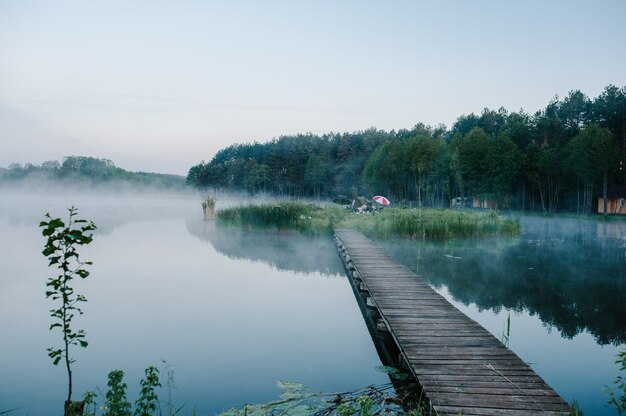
(233, 311)
(230, 320)
(563, 282)
(298, 253)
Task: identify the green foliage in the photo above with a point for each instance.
(147, 404)
(391, 222)
(316, 175)
(346, 409)
(169, 385)
(208, 207)
(116, 403)
(590, 156)
(617, 395)
(575, 409)
(432, 224)
(85, 172)
(366, 405)
(387, 169)
(89, 400)
(148, 401)
(208, 202)
(487, 166)
(394, 373)
(297, 400)
(61, 249)
(305, 218)
(518, 160)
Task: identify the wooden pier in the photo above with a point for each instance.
(462, 368)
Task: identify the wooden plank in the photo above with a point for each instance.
(489, 388)
(465, 378)
(474, 411)
(519, 402)
(462, 368)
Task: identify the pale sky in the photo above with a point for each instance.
(161, 85)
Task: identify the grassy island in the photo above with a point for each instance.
(390, 222)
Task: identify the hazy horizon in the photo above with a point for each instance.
(159, 86)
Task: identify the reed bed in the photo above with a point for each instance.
(305, 218)
(433, 224)
(208, 207)
(428, 224)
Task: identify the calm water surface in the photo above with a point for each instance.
(231, 313)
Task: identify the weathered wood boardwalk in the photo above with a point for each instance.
(462, 368)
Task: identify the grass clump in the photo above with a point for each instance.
(305, 218)
(208, 207)
(431, 224)
(391, 222)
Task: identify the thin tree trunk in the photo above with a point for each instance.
(577, 196)
(555, 197)
(604, 192)
(543, 203)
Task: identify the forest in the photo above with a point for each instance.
(84, 172)
(561, 158)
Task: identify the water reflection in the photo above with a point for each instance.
(230, 327)
(283, 251)
(571, 273)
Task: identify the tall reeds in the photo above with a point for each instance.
(208, 207)
(411, 223)
(305, 218)
(432, 224)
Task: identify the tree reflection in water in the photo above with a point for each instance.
(570, 273)
(287, 250)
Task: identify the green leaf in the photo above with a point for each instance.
(288, 385)
(387, 369)
(301, 410)
(55, 354)
(56, 223)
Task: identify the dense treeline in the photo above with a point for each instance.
(85, 171)
(561, 157)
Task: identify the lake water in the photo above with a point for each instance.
(233, 312)
(563, 284)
